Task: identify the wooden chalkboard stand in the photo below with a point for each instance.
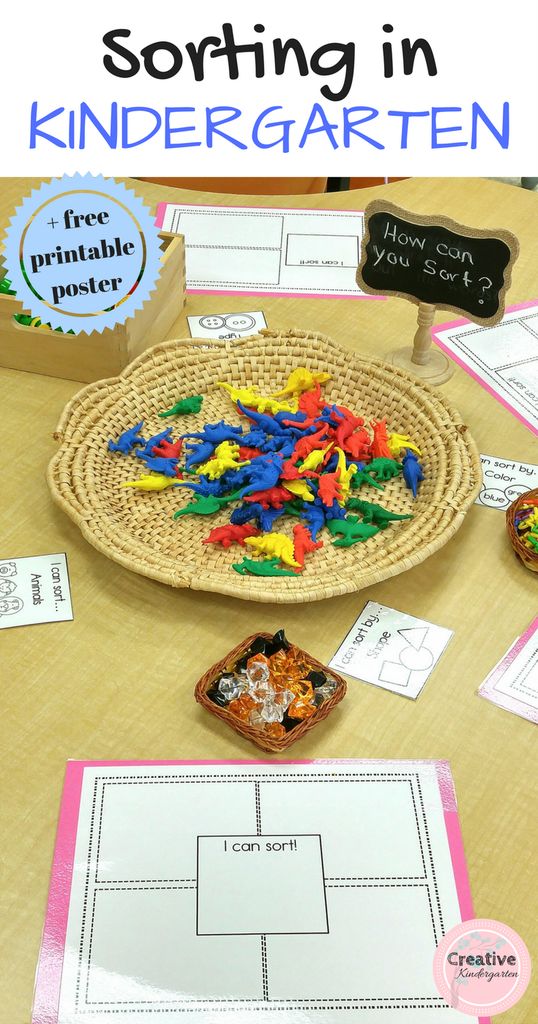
(435, 263)
(423, 360)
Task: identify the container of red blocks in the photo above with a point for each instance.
(270, 691)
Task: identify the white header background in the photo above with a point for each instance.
(485, 52)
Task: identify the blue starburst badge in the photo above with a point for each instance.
(82, 253)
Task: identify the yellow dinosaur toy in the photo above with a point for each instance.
(300, 488)
(248, 397)
(314, 458)
(397, 442)
(301, 380)
(157, 482)
(225, 457)
(274, 545)
(346, 475)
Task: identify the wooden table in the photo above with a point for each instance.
(117, 681)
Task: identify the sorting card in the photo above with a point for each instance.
(269, 250)
(503, 480)
(226, 326)
(391, 649)
(513, 683)
(502, 358)
(317, 889)
(34, 589)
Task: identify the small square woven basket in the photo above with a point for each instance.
(273, 746)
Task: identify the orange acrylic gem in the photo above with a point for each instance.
(303, 689)
(242, 707)
(275, 730)
(301, 709)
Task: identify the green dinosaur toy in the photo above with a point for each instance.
(206, 504)
(376, 514)
(269, 567)
(362, 476)
(385, 469)
(350, 530)
(184, 407)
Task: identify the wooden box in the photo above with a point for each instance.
(89, 357)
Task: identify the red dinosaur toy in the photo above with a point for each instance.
(272, 497)
(380, 449)
(230, 534)
(303, 543)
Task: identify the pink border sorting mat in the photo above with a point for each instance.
(450, 325)
(50, 966)
(489, 689)
(159, 219)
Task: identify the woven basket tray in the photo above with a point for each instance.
(528, 556)
(228, 663)
(137, 529)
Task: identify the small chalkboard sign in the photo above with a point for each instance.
(435, 260)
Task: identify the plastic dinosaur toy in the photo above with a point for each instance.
(413, 473)
(168, 450)
(314, 459)
(380, 448)
(307, 444)
(345, 474)
(216, 433)
(358, 445)
(263, 473)
(299, 488)
(245, 513)
(398, 441)
(350, 531)
(311, 402)
(152, 483)
(128, 440)
(274, 545)
(248, 396)
(198, 453)
(230, 534)
(329, 488)
(384, 469)
(225, 457)
(303, 543)
(185, 407)
(272, 497)
(152, 442)
(301, 380)
(166, 466)
(203, 487)
(205, 505)
(376, 514)
(314, 517)
(267, 426)
(248, 567)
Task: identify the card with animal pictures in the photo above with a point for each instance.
(34, 589)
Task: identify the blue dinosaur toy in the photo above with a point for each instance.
(128, 440)
(413, 473)
(152, 442)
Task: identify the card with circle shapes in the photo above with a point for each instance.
(226, 326)
(504, 480)
(391, 649)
